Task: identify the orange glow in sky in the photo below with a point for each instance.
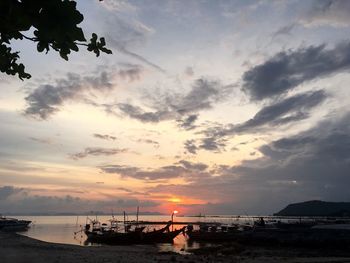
(174, 200)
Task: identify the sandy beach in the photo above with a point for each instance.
(15, 248)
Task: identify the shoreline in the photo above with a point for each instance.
(15, 248)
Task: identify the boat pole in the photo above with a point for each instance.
(137, 216)
(124, 222)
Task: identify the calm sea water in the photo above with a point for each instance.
(60, 229)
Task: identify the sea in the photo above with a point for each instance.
(67, 229)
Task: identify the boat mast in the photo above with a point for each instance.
(124, 222)
(137, 216)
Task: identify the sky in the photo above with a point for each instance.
(211, 107)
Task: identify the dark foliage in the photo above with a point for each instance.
(54, 25)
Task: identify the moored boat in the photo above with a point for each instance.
(102, 233)
(13, 224)
(112, 237)
(208, 233)
(295, 225)
(156, 234)
(165, 236)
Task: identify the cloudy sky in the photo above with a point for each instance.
(212, 107)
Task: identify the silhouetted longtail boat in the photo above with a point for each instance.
(208, 233)
(97, 233)
(13, 224)
(163, 235)
(101, 233)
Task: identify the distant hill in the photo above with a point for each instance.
(316, 208)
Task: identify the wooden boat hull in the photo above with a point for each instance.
(14, 225)
(291, 226)
(114, 238)
(161, 237)
(203, 236)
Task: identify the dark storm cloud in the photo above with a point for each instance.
(47, 99)
(203, 95)
(286, 111)
(193, 166)
(213, 144)
(214, 140)
(316, 161)
(282, 112)
(328, 13)
(138, 57)
(190, 146)
(184, 169)
(105, 137)
(286, 70)
(138, 113)
(97, 151)
(320, 143)
(187, 123)
(165, 172)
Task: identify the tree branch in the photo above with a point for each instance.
(34, 39)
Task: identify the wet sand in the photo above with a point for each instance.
(15, 248)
